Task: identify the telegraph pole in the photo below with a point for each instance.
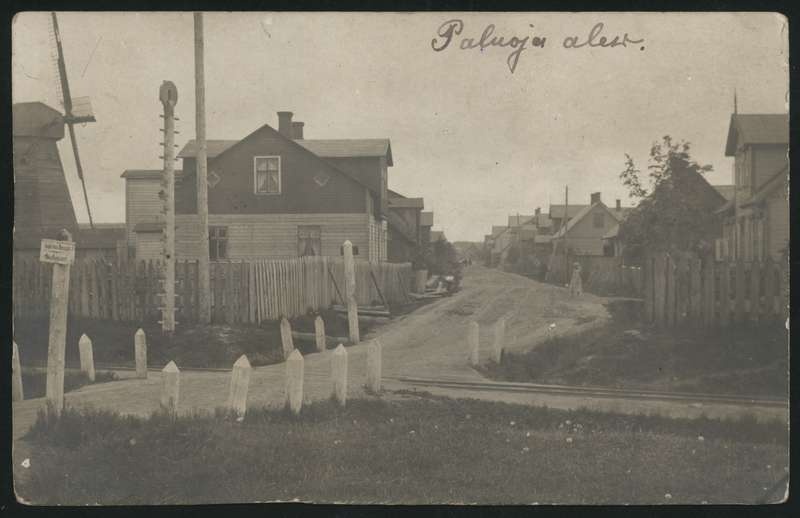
(204, 291)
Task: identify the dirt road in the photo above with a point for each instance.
(428, 343)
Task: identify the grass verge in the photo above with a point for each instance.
(34, 381)
(417, 450)
(746, 360)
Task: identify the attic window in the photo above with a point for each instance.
(213, 179)
(267, 174)
(321, 178)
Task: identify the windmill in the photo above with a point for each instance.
(76, 111)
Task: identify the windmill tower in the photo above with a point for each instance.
(76, 111)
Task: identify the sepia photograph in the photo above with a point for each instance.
(459, 258)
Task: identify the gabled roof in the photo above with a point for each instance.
(557, 211)
(498, 229)
(335, 148)
(426, 219)
(543, 220)
(213, 148)
(727, 191)
(756, 128)
(777, 180)
(582, 214)
(350, 148)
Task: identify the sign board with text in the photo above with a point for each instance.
(58, 252)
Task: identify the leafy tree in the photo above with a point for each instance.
(673, 213)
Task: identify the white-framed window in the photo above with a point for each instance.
(217, 243)
(267, 175)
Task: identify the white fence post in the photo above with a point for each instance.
(339, 374)
(374, 350)
(499, 339)
(319, 331)
(240, 381)
(170, 387)
(140, 351)
(473, 343)
(294, 381)
(286, 338)
(87, 357)
(17, 393)
(350, 292)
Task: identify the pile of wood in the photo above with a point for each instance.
(436, 287)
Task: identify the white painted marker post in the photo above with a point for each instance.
(170, 388)
(240, 381)
(473, 343)
(350, 292)
(499, 339)
(87, 357)
(16, 375)
(319, 332)
(140, 352)
(61, 254)
(374, 350)
(339, 374)
(286, 338)
(294, 382)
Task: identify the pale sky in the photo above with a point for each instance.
(476, 141)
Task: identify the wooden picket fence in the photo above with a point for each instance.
(708, 293)
(606, 276)
(242, 292)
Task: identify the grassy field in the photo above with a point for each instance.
(751, 361)
(412, 450)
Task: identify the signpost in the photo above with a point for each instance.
(61, 254)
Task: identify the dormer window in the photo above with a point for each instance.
(267, 174)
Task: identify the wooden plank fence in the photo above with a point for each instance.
(688, 291)
(242, 292)
(600, 275)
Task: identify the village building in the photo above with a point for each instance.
(272, 194)
(583, 233)
(405, 230)
(756, 219)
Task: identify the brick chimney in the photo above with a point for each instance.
(285, 124)
(297, 130)
(619, 204)
(594, 198)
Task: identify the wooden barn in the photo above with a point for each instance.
(272, 194)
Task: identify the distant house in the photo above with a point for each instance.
(756, 218)
(558, 213)
(425, 224)
(271, 194)
(405, 232)
(584, 232)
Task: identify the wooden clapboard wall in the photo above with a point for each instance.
(242, 292)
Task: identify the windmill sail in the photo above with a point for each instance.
(75, 111)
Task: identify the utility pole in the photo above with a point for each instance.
(168, 95)
(564, 224)
(204, 288)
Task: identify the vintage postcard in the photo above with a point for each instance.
(400, 258)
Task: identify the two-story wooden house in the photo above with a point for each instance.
(756, 220)
(405, 230)
(272, 194)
